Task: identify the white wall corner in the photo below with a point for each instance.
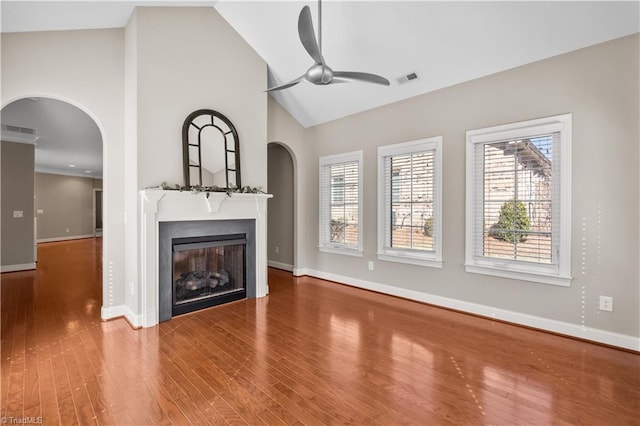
(280, 265)
(299, 272)
(120, 311)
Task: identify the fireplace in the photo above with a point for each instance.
(204, 263)
(207, 271)
(165, 215)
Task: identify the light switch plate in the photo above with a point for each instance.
(18, 213)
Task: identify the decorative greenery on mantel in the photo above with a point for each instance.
(197, 189)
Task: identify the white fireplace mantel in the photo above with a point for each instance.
(166, 206)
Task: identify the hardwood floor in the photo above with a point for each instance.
(312, 352)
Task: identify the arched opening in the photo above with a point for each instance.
(58, 164)
(282, 221)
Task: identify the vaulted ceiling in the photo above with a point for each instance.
(443, 43)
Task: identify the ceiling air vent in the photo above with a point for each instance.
(25, 130)
(407, 78)
(18, 134)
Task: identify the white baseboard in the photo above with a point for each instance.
(19, 267)
(72, 237)
(560, 327)
(279, 265)
(111, 312)
(298, 272)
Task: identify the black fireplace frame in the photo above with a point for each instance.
(168, 231)
(214, 300)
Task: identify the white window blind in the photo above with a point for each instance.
(341, 203)
(516, 212)
(409, 201)
(518, 186)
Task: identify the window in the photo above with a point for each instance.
(341, 204)
(409, 202)
(337, 188)
(519, 200)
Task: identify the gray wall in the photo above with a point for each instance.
(67, 206)
(17, 194)
(280, 218)
(86, 69)
(284, 129)
(205, 64)
(178, 60)
(599, 85)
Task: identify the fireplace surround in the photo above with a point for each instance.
(206, 271)
(220, 214)
(178, 240)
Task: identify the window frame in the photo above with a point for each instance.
(555, 274)
(430, 258)
(326, 197)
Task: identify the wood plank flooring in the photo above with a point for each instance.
(312, 352)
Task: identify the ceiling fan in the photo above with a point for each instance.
(320, 73)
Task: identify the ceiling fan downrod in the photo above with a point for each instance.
(320, 26)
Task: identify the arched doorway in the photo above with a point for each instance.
(62, 151)
(281, 224)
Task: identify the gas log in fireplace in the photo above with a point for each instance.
(207, 271)
(205, 263)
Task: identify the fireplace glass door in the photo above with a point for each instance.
(208, 271)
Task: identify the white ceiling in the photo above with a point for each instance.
(445, 43)
(67, 136)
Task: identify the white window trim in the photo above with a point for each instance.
(326, 246)
(431, 258)
(546, 274)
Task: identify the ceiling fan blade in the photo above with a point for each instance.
(361, 76)
(307, 35)
(285, 85)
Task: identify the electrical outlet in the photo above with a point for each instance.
(67, 230)
(371, 266)
(18, 213)
(606, 303)
(277, 249)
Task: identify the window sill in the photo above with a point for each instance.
(344, 251)
(519, 275)
(433, 263)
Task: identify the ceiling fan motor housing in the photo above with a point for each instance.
(319, 74)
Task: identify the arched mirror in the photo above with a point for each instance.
(210, 150)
